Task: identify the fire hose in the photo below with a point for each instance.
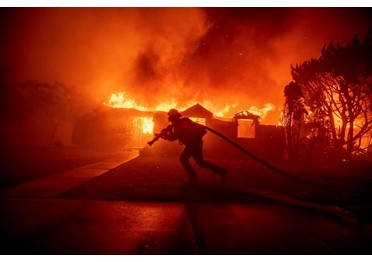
(277, 170)
(263, 162)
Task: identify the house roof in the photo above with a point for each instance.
(197, 111)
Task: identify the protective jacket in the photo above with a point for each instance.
(186, 131)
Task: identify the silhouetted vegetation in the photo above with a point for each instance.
(32, 112)
(336, 91)
(294, 118)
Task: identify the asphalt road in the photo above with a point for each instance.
(143, 206)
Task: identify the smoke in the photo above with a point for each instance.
(97, 49)
(219, 56)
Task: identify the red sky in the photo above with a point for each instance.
(220, 56)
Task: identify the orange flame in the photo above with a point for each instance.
(147, 125)
(262, 112)
(120, 100)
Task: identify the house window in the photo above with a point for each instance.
(246, 128)
(198, 120)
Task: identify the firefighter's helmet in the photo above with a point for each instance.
(173, 113)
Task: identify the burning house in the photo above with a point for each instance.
(113, 129)
(244, 128)
(129, 128)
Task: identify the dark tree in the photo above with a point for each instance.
(337, 88)
(293, 117)
(33, 111)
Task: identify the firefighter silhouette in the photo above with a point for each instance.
(190, 134)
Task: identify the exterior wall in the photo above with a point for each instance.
(268, 143)
(117, 129)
